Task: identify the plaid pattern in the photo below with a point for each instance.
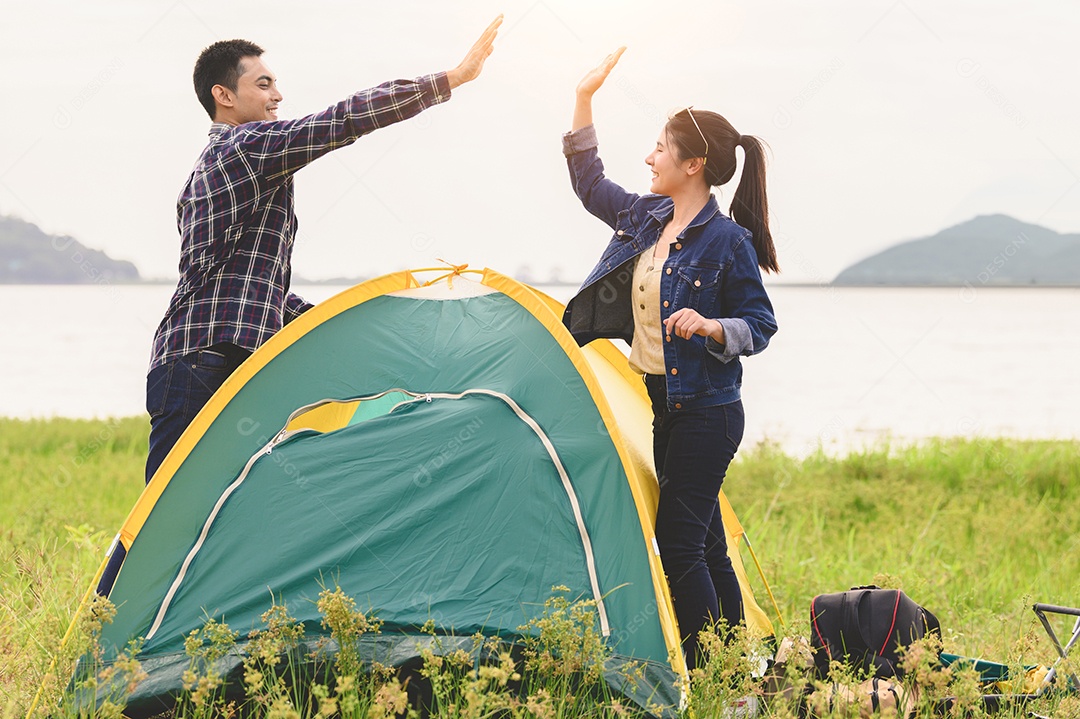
(237, 223)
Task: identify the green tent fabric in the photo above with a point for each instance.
(442, 453)
(419, 514)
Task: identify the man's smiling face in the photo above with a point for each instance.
(256, 98)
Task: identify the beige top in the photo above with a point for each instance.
(647, 351)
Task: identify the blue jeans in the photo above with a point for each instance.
(692, 450)
(175, 392)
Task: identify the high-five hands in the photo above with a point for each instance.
(470, 67)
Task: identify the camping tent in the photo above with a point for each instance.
(442, 451)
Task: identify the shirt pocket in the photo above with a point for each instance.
(698, 287)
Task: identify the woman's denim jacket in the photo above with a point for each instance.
(712, 267)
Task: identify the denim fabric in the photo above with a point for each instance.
(712, 268)
(692, 450)
(176, 391)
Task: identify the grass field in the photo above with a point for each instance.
(974, 530)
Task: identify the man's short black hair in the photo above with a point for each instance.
(219, 64)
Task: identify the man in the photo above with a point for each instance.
(237, 224)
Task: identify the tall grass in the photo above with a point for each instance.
(973, 530)
(66, 486)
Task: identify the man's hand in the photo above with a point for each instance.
(686, 323)
(470, 67)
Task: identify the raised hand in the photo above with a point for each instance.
(470, 67)
(589, 85)
(595, 77)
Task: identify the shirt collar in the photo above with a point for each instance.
(218, 128)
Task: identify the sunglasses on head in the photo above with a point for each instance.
(690, 112)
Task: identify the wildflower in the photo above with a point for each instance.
(189, 678)
(540, 704)
(282, 708)
(346, 626)
(390, 700)
(253, 678)
(459, 658)
(110, 710)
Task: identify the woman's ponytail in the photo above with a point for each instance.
(699, 133)
(750, 206)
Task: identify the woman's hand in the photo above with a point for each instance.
(595, 77)
(588, 86)
(687, 322)
(470, 67)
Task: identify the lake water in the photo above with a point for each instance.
(850, 367)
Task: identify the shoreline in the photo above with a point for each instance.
(836, 450)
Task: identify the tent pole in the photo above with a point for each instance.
(761, 573)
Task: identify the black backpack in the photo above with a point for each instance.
(865, 627)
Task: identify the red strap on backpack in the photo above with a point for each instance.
(817, 630)
(891, 626)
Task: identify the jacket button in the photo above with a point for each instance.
(665, 303)
(641, 306)
(668, 338)
(642, 288)
(697, 283)
(668, 270)
(619, 233)
(678, 245)
(674, 370)
(678, 405)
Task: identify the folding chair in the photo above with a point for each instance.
(1040, 680)
(1041, 610)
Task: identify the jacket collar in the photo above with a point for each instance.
(666, 210)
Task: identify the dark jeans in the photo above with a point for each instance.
(692, 450)
(175, 392)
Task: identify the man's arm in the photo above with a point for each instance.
(278, 149)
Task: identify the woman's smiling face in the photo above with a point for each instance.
(667, 170)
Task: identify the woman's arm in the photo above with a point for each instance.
(600, 196)
(588, 87)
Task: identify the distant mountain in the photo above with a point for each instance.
(988, 250)
(29, 256)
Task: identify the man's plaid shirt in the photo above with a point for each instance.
(237, 223)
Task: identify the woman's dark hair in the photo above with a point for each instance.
(219, 64)
(750, 206)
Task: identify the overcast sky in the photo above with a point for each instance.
(887, 120)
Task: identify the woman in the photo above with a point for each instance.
(680, 282)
